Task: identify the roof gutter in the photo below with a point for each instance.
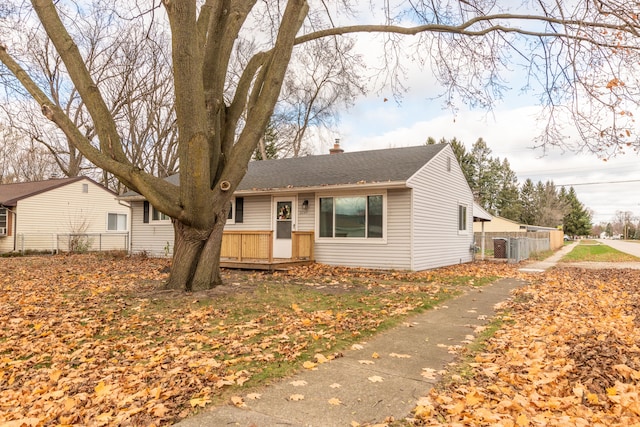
(315, 188)
(324, 188)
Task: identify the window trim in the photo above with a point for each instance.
(231, 218)
(346, 240)
(5, 212)
(126, 222)
(161, 220)
(464, 230)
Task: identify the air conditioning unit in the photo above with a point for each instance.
(3, 231)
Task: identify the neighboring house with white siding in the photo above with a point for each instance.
(401, 208)
(59, 214)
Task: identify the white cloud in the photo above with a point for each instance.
(510, 134)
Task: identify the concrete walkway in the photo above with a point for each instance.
(541, 266)
(377, 379)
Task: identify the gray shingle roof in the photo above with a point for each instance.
(374, 166)
(389, 165)
(10, 194)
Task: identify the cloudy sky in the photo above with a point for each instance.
(509, 133)
(378, 121)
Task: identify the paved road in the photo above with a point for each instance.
(632, 248)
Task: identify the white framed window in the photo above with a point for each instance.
(4, 223)
(231, 215)
(156, 215)
(116, 222)
(462, 218)
(357, 216)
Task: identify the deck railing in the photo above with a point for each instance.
(247, 245)
(258, 245)
(302, 245)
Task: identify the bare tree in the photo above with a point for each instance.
(131, 65)
(314, 91)
(22, 160)
(581, 55)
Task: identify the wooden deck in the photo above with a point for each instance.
(253, 250)
(259, 264)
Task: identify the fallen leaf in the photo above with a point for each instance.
(296, 397)
(335, 401)
(238, 401)
(199, 401)
(309, 365)
(159, 410)
(428, 373)
(375, 379)
(335, 385)
(320, 358)
(366, 362)
(298, 383)
(254, 396)
(102, 389)
(400, 356)
(375, 355)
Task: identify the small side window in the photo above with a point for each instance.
(462, 218)
(116, 222)
(85, 188)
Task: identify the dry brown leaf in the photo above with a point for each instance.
(400, 356)
(335, 401)
(238, 401)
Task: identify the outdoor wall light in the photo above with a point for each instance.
(305, 205)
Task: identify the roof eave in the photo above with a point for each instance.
(323, 188)
(132, 198)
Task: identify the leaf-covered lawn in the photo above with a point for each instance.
(94, 340)
(569, 356)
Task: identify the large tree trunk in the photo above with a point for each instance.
(196, 257)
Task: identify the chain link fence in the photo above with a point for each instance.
(72, 242)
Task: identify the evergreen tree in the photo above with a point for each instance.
(528, 202)
(577, 222)
(508, 203)
(484, 175)
(609, 229)
(463, 157)
(551, 207)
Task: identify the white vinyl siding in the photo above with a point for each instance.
(437, 195)
(256, 214)
(154, 238)
(306, 218)
(63, 210)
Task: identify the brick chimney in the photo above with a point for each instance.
(336, 148)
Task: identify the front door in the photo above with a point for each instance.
(283, 226)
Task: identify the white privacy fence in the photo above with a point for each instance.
(72, 242)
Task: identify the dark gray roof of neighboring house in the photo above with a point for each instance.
(358, 167)
(10, 194)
